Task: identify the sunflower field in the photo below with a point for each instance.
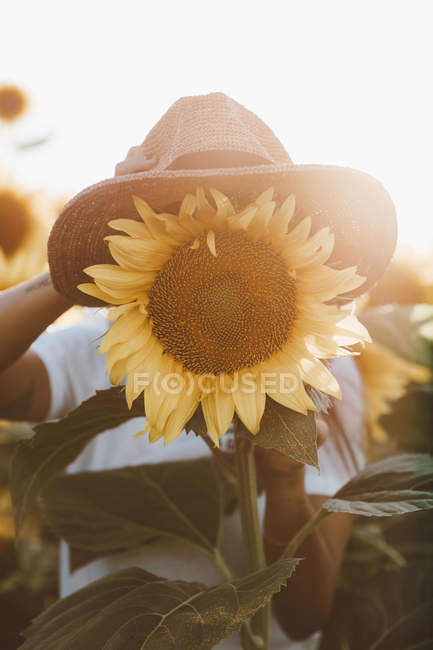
(182, 286)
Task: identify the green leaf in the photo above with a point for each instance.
(197, 423)
(401, 329)
(115, 510)
(408, 629)
(137, 610)
(374, 594)
(395, 485)
(56, 444)
(291, 433)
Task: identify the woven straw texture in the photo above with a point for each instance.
(356, 207)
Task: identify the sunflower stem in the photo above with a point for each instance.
(255, 633)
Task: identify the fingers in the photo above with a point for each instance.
(137, 160)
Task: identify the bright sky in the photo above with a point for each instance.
(344, 82)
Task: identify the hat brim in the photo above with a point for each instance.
(356, 206)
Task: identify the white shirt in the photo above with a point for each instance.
(76, 371)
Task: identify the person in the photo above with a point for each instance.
(45, 374)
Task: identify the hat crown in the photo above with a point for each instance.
(212, 123)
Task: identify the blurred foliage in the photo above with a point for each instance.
(28, 569)
(381, 604)
(407, 281)
(385, 595)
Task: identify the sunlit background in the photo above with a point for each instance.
(340, 82)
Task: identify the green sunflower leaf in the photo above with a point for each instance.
(393, 486)
(56, 444)
(287, 431)
(135, 609)
(110, 511)
(380, 603)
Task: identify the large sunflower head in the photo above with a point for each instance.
(24, 226)
(229, 305)
(13, 102)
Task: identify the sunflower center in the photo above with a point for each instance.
(14, 222)
(220, 314)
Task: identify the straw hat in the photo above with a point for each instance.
(246, 158)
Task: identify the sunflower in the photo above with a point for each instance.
(386, 377)
(24, 227)
(407, 281)
(13, 102)
(228, 302)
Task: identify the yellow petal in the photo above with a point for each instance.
(191, 226)
(218, 410)
(132, 228)
(113, 313)
(210, 240)
(326, 283)
(121, 296)
(122, 284)
(324, 348)
(299, 402)
(114, 276)
(201, 200)
(286, 386)
(299, 234)
(265, 197)
(249, 401)
(223, 204)
(313, 372)
(154, 435)
(123, 329)
(150, 354)
(175, 231)
(137, 381)
(280, 221)
(155, 226)
(127, 348)
(352, 330)
(179, 417)
(118, 372)
(155, 396)
(142, 432)
(188, 205)
(94, 291)
(242, 220)
(139, 255)
(316, 250)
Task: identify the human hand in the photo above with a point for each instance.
(137, 160)
(275, 466)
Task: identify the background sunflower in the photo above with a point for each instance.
(13, 102)
(25, 221)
